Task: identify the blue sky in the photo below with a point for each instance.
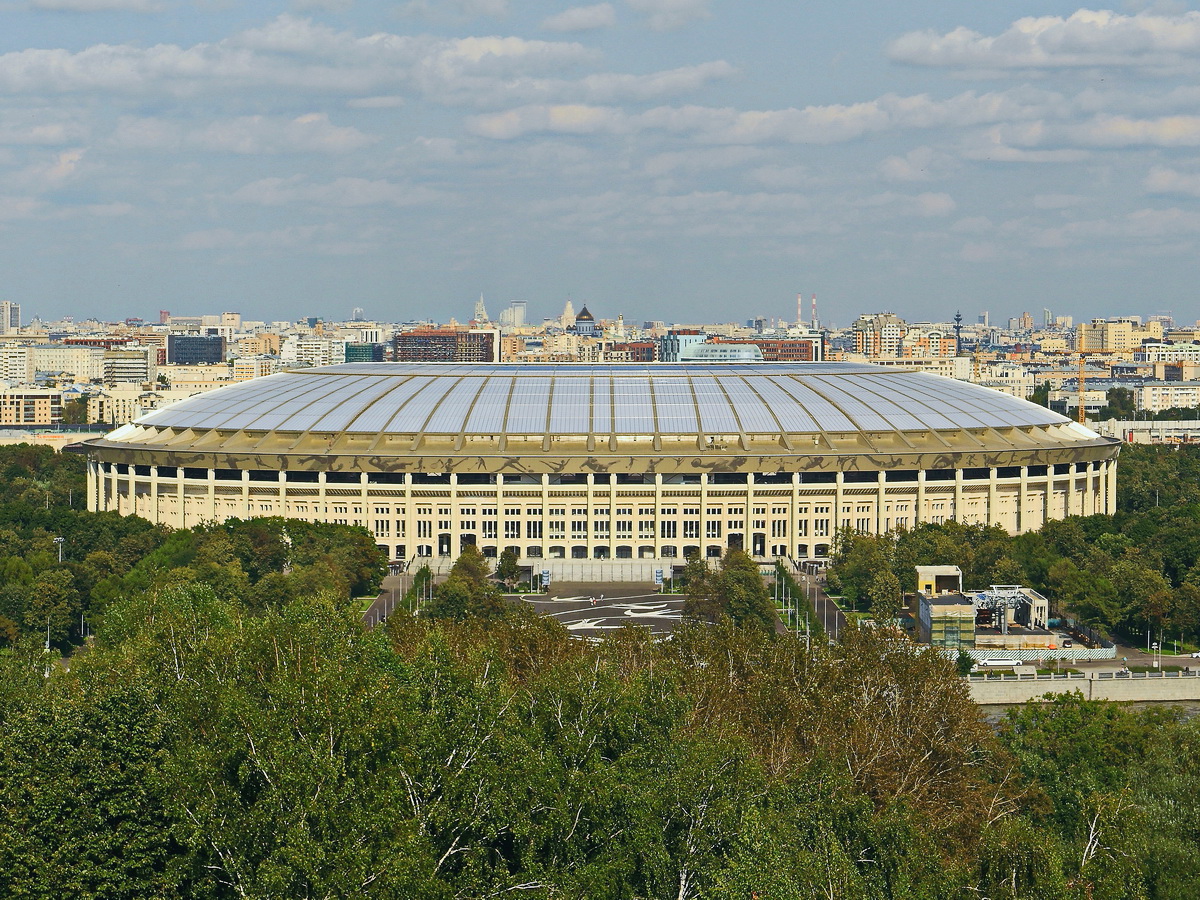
(685, 160)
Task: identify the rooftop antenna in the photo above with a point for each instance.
(958, 333)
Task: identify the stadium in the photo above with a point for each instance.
(605, 471)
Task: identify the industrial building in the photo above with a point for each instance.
(605, 470)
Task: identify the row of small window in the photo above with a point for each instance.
(623, 551)
(715, 478)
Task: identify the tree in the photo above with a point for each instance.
(507, 570)
(75, 412)
(53, 604)
(883, 596)
(743, 595)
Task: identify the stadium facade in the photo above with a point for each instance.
(605, 470)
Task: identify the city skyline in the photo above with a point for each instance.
(665, 159)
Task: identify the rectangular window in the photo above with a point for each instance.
(556, 511)
(802, 528)
(645, 529)
(467, 525)
(558, 529)
(600, 527)
(624, 511)
(779, 529)
(667, 529)
(714, 510)
(691, 528)
(383, 528)
(512, 529)
(489, 529)
(821, 528)
(533, 529)
(424, 529)
(712, 529)
(579, 528)
(624, 528)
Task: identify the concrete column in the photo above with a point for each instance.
(545, 540)
(959, 508)
(880, 495)
(455, 522)
(1022, 514)
(919, 511)
(1110, 495)
(1049, 498)
(838, 497)
(993, 517)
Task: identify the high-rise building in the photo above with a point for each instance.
(481, 315)
(10, 317)
(514, 316)
(881, 334)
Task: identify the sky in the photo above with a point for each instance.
(682, 160)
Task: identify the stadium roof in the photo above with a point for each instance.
(601, 399)
(652, 416)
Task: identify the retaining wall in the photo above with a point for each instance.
(1134, 687)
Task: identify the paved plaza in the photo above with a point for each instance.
(593, 610)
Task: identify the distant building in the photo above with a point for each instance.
(632, 351)
(881, 334)
(10, 317)
(194, 349)
(29, 406)
(585, 324)
(130, 366)
(805, 349)
(722, 353)
(248, 367)
(359, 352)
(447, 345)
(672, 344)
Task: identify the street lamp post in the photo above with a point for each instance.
(59, 541)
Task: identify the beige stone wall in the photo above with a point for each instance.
(659, 519)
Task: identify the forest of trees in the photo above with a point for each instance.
(1123, 574)
(105, 556)
(233, 730)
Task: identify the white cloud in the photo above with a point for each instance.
(668, 15)
(341, 192)
(1123, 131)
(913, 166)
(12, 208)
(309, 133)
(292, 53)
(228, 239)
(1162, 180)
(142, 6)
(1085, 38)
(582, 18)
(383, 102)
(810, 125)
(1056, 201)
